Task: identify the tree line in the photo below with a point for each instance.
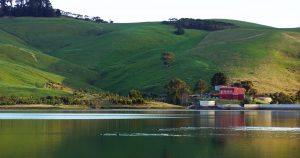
(96, 19)
(35, 8)
(80, 97)
(189, 23)
(40, 8)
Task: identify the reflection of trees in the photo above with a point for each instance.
(30, 138)
(230, 119)
(167, 153)
(285, 119)
(259, 118)
(219, 141)
(272, 118)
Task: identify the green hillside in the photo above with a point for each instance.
(120, 57)
(25, 70)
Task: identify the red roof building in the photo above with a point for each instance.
(232, 93)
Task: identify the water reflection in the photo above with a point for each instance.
(207, 134)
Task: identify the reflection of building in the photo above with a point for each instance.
(231, 119)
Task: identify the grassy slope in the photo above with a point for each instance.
(128, 55)
(24, 70)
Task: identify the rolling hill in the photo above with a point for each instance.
(121, 57)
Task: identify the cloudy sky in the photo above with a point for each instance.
(277, 13)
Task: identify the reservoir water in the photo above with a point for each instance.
(150, 134)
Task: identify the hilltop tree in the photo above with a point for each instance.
(209, 25)
(98, 19)
(200, 87)
(219, 79)
(40, 8)
(57, 12)
(177, 92)
(36, 8)
(3, 7)
(168, 58)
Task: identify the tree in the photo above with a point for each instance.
(179, 30)
(177, 92)
(3, 7)
(168, 58)
(135, 97)
(9, 7)
(98, 19)
(200, 87)
(39, 8)
(57, 12)
(135, 94)
(248, 86)
(219, 79)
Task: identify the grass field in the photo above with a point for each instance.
(121, 57)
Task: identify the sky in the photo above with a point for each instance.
(276, 13)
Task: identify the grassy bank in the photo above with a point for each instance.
(43, 106)
(149, 105)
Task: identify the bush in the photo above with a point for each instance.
(135, 94)
(129, 102)
(168, 58)
(282, 98)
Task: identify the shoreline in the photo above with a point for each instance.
(149, 105)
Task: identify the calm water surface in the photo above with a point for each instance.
(150, 134)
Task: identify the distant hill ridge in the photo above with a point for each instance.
(120, 57)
